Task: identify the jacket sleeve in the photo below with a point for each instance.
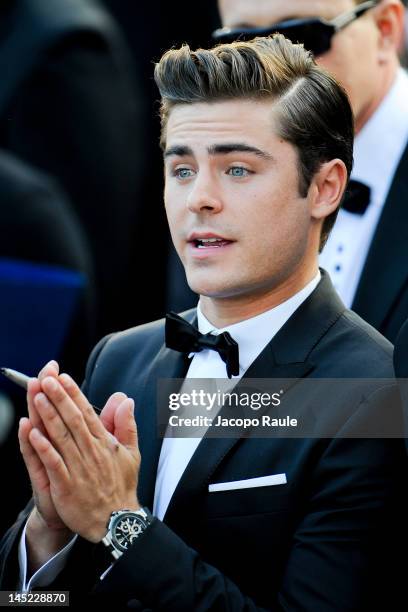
(9, 566)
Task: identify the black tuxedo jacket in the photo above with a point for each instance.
(382, 292)
(318, 543)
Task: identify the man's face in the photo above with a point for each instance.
(353, 58)
(228, 176)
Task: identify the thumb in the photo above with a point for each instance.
(125, 429)
(107, 415)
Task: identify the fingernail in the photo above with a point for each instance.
(65, 379)
(40, 399)
(51, 383)
(35, 433)
(131, 407)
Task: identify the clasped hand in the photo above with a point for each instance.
(82, 467)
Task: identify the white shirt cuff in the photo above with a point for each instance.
(47, 572)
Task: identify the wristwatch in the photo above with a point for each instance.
(124, 527)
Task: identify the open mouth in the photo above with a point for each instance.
(205, 243)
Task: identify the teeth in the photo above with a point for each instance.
(202, 243)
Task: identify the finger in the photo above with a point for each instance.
(58, 433)
(36, 470)
(92, 420)
(125, 425)
(70, 416)
(34, 387)
(107, 415)
(50, 369)
(56, 469)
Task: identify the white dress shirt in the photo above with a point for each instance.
(378, 150)
(47, 572)
(252, 336)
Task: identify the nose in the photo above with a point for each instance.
(204, 195)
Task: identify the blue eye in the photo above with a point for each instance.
(238, 171)
(183, 173)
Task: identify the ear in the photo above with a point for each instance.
(327, 188)
(389, 16)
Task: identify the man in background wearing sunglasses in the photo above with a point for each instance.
(366, 254)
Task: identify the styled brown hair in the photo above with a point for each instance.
(312, 110)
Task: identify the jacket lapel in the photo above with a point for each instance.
(285, 357)
(167, 364)
(386, 268)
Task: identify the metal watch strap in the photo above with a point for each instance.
(144, 513)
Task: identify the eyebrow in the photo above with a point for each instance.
(219, 149)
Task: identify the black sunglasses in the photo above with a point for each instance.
(314, 33)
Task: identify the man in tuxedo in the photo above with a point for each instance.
(366, 254)
(257, 146)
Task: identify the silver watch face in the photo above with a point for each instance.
(126, 528)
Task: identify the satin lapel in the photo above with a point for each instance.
(167, 364)
(386, 268)
(285, 357)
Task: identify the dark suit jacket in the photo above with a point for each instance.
(317, 544)
(382, 292)
(68, 106)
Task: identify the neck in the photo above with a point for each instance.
(389, 76)
(225, 311)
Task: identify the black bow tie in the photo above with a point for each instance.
(183, 337)
(356, 198)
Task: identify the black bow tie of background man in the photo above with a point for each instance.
(183, 337)
(356, 198)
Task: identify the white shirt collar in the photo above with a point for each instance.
(255, 333)
(380, 144)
